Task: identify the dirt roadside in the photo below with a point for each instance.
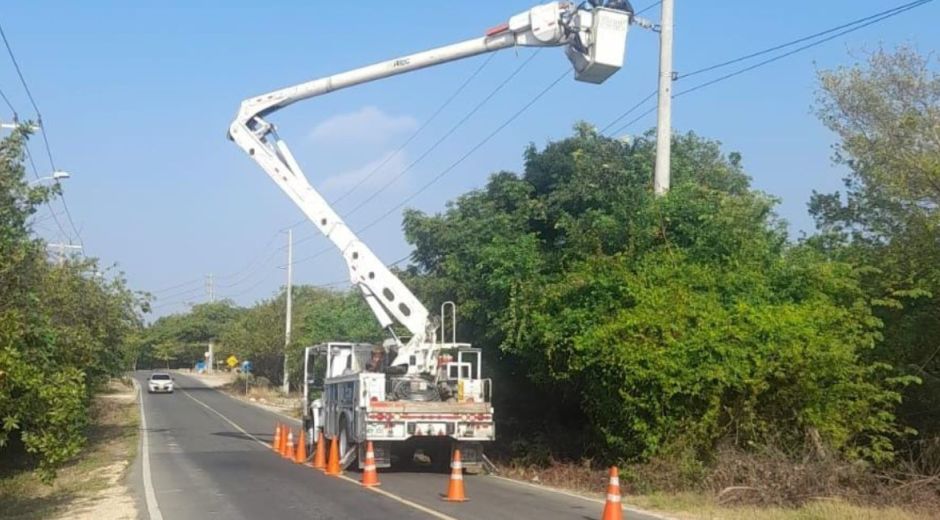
(94, 485)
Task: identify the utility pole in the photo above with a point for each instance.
(664, 110)
(210, 288)
(210, 358)
(287, 314)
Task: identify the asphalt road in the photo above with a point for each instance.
(203, 455)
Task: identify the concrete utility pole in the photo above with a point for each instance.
(287, 317)
(210, 359)
(664, 122)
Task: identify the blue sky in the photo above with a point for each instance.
(137, 96)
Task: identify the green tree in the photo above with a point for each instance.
(886, 114)
(656, 323)
(63, 328)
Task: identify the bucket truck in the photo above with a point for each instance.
(425, 391)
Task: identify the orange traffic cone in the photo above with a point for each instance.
(300, 456)
(369, 476)
(455, 486)
(282, 447)
(276, 443)
(332, 466)
(319, 456)
(612, 508)
(289, 449)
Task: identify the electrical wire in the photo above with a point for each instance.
(42, 130)
(842, 30)
(436, 144)
(424, 125)
(255, 262)
(9, 105)
(182, 284)
(453, 165)
(410, 138)
(647, 8)
(32, 164)
(630, 110)
(447, 134)
(768, 50)
(892, 13)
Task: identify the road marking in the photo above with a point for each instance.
(226, 419)
(404, 501)
(382, 492)
(153, 509)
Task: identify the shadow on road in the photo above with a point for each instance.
(241, 436)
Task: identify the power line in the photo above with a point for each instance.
(32, 164)
(9, 105)
(768, 50)
(42, 129)
(436, 144)
(630, 110)
(843, 29)
(447, 134)
(249, 266)
(647, 8)
(183, 284)
(453, 165)
(422, 127)
(891, 14)
(471, 151)
(407, 141)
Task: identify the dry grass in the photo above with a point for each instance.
(701, 507)
(264, 395)
(93, 479)
(745, 487)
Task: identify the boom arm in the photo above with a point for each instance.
(595, 39)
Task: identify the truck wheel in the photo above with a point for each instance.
(345, 444)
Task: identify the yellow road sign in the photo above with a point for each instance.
(231, 361)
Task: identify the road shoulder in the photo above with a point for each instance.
(94, 485)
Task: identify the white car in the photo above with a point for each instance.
(160, 382)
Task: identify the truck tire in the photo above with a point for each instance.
(345, 444)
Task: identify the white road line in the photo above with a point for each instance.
(226, 419)
(404, 501)
(382, 492)
(153, 509)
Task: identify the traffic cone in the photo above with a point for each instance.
(276, 443)
(612, 508)
(332, 466)
(455, 486)
(289, 448)
(319, 456)
(300, 456)
(282, 447)
(369, 476)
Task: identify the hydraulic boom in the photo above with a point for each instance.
(594, 35)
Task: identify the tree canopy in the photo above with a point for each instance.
(681, 321)
(65, 327)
